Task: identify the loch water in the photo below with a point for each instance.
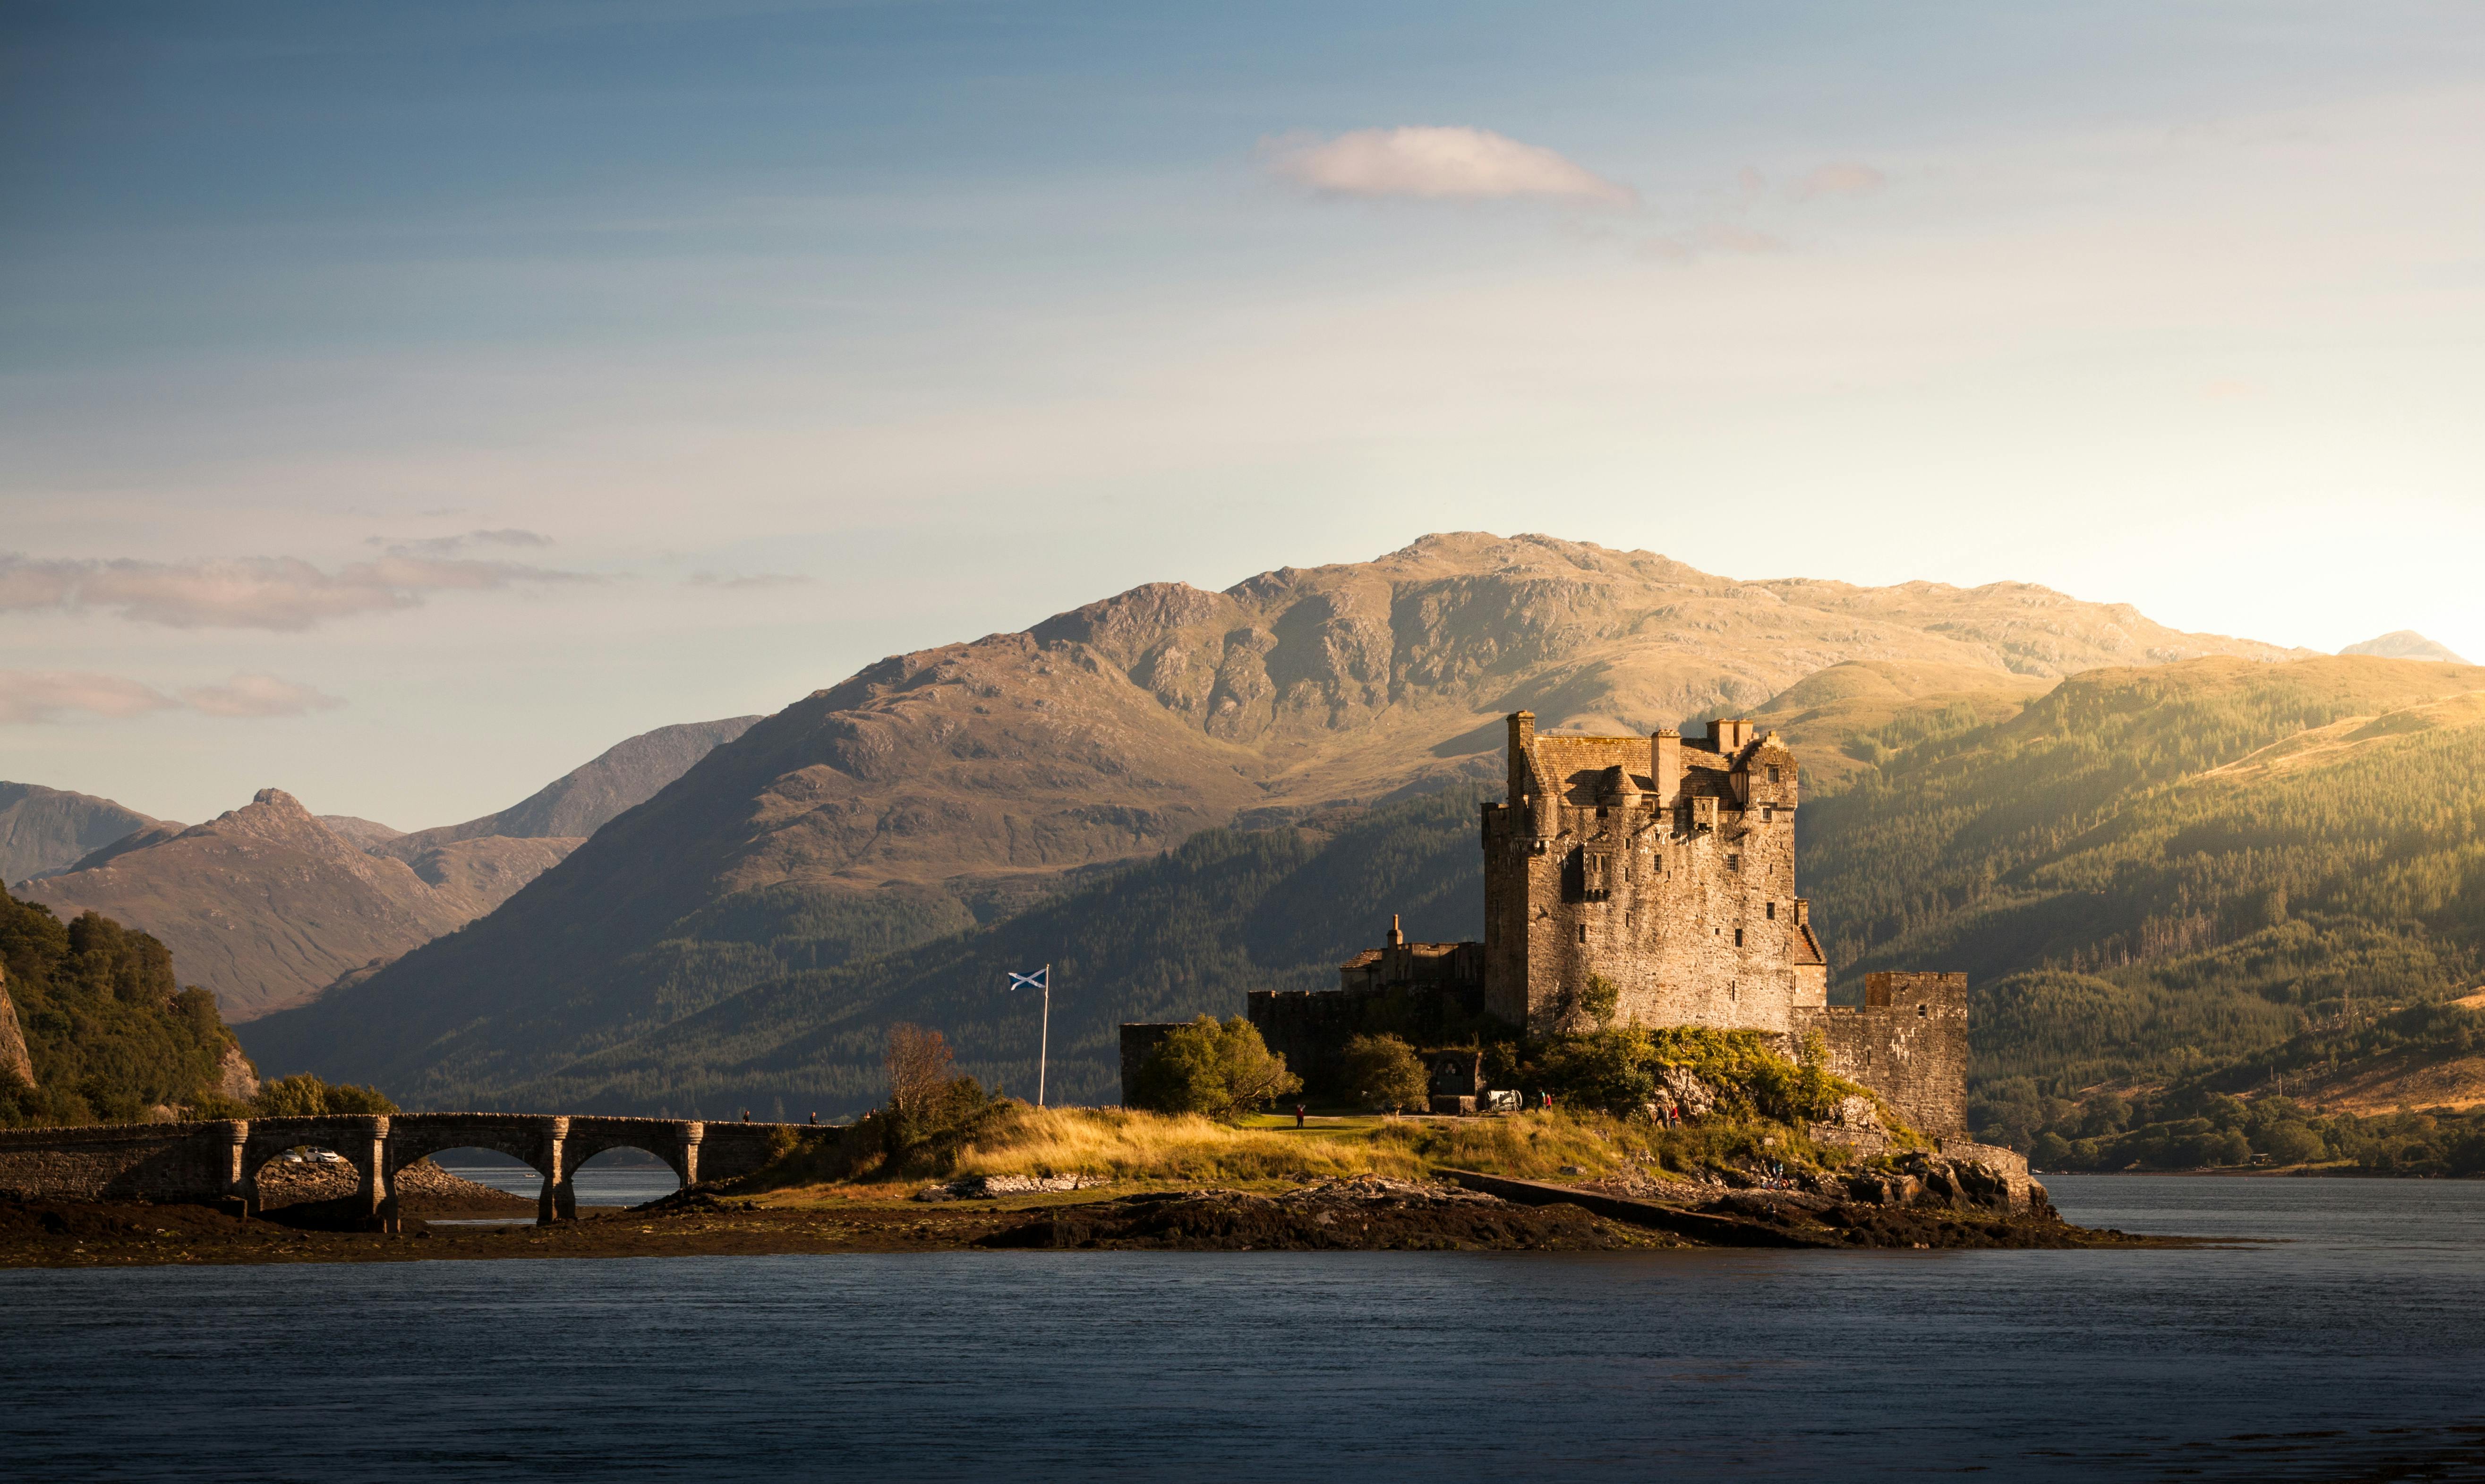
(2348, 1342)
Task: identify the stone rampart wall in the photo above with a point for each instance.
(1908, 1042)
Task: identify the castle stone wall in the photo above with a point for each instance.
(1908, 1042)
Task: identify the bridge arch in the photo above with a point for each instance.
(360, 1139)
(672, 1140)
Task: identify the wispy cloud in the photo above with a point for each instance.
(1839, 177)
(1435, 163)
(452, 545)
(257, 695)
(751, 580)
(48, 695)
(264, 592)
(33, 696)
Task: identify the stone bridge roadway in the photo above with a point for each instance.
(219, 1162)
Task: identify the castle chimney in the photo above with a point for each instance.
(1665, 766)
(1397, 939)
(1729, 737)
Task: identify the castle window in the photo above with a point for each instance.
(1769, 812)
(1733, 863)
(1583, 932)
(1773, 775)
(1920, 1013)
(1739, 943)
(1773, 912)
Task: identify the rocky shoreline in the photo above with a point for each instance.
(1471, 1212)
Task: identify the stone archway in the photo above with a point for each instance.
(360, 1141)
(675, 1142)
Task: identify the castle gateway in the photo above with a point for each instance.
(1658, 872)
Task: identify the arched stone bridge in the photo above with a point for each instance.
(219, 1162)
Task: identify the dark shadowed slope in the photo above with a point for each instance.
(1163, 939)
(935, 788)
(46, 830)
(581, 801)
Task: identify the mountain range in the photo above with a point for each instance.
(957, 790)
(267, 905)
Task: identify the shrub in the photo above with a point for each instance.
(1599, 1000)
(1617, 1070)
(1383, 1072)
(1220, 1070)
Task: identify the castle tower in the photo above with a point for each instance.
(1664, 867)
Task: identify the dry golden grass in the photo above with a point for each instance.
(1125, 1145)
(1129, 1147)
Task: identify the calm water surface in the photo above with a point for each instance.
(2353, 1349)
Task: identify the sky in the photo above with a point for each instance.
(398, 405)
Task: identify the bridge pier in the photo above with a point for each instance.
(240, 1184)
(370, 1157)
(556, 1174)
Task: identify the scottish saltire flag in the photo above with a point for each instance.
(1042, 978)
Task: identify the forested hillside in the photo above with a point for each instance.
(2147, 872)
(109, 1033)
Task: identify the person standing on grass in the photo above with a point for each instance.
(1299, 1116)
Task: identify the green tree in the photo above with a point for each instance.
(2291, 1143)
(1383, 1072)
(1220, 1071)
(304, 1095)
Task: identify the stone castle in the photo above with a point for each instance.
(1657, 872)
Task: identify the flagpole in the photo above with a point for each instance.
(1043, 1038)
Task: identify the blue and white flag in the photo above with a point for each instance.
(1042, 978)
